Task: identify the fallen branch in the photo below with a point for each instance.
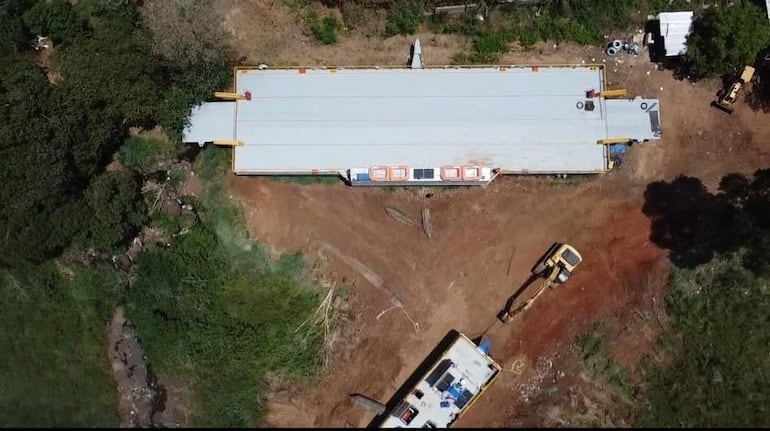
(399, 215)
(427, 227)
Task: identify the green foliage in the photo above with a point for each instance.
(55, 19)
(593, 346)
(324, 30)
(53, 347)
(489, 46)
(725, 39)
(141, 154)
(467, 24)
(306, 179)
(116, 209)
(38, 165)
(719, 376)
(213, 308)
(404, 17)
(113, 67)
(12, 33)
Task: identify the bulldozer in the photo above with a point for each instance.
(728, 96)
(556, 266)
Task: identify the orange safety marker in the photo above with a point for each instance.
(535, 68)
(399, 173)
(302, 70)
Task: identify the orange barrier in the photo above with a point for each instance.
(379, 173)
(399, 173)
(471, 173)
(451, 173)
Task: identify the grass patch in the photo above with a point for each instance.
(214, 308)
(719, 375)
(593, 347)
(324, 30)
(140, 154)
(307, 179)
(53, 354)
(404, 17)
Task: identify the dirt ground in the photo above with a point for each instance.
(460, 278)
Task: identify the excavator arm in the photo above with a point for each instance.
(508, 314)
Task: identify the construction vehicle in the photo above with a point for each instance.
(727, 97)
(556, 266)
(444, 387)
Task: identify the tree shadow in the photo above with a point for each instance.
(694, 224)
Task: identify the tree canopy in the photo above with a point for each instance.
(59, 131)
(724, 39)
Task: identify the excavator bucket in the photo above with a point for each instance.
(723, 107)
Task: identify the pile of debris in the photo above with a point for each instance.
(618, 45)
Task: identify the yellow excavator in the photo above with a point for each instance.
(728, 96)
(556, 266)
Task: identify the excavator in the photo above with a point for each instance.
(556, 266)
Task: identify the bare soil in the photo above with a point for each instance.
(460, 278)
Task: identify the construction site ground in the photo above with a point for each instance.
(461, 277)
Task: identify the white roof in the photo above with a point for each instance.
(519, 119)
(211, 121)
(465, 372)
(675, 27)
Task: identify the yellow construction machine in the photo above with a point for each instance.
(556, 266)
(728, 96)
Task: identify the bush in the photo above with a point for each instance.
(717, 378)
(404, 17)
(725, 39)
(141, 154)
(56, 19)
(324, 30)
(223, 320)
(487, 48)
(117, 210)
(55, 371)
(215, 310)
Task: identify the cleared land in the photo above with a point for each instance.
(460, 278)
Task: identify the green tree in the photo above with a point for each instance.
(39, 187)
(726, 38)
(114, 66)
(55, 19)
(116, 209)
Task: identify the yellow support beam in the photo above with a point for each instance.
(229, 96)
(620, 92)
(228, 143)
(610, 141)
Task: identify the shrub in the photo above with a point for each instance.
(324, 30)
(140, 154)
(726, 38)
(404, 17)
(53, 347)
(116, 209)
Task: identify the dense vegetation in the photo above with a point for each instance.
(56, 137)
(719, 375)
(719, 300)
(724, 39)
(53, 358)
(212, 307)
